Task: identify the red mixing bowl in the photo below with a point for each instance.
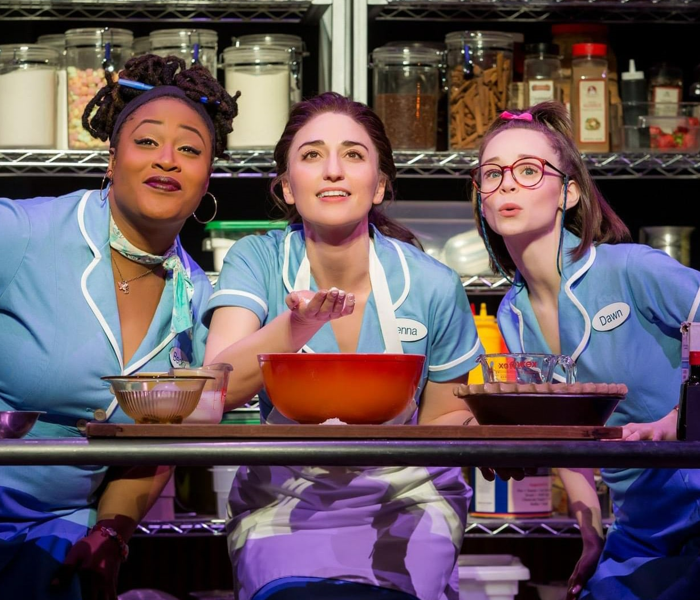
(355, 388)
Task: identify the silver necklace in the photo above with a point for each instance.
(123, 284)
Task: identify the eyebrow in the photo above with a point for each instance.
(499, 158)
(156, 122)
(346, 143)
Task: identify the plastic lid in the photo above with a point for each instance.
(487, 39)
(99, 37)
(407, 55)
(632, 74)
(244, 225)
(589, 50)
(276, 40)
(21, 54)
(574, 28)
(240, 55)
(55, 40)
(186, 38)
(541, 48)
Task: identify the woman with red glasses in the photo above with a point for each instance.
(549, 230)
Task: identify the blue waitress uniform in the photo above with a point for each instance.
(397, 528)
(620, 311)
(59, 333)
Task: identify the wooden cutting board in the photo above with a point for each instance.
(367, 432)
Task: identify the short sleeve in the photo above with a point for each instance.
(664, 290)
(15, 230)
(455, 342)
(199, 304)
(243, 277)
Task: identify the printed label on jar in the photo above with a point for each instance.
(593, 114)
(669, 96)
(540, 90)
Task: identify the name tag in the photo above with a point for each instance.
(611, 316)
(410, 330)
(178, 359)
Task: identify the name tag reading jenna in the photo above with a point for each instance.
(611, 316)
(410, 330)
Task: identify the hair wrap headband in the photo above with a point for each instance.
(508, 116)
(162, 91)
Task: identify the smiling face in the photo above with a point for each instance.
(161, 168)
(514, 211)
(333, 176)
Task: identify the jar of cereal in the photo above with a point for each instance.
(89, 52)
(194, 46)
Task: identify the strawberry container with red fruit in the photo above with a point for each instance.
(658, 127)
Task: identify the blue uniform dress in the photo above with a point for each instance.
(59, 333)
(398, 528)
(620, 311)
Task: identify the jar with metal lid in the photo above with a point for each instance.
(542, 73)
(406, 87)
(262, 76)
(28, 85)
(142, 45)
(89, 52)
(194, 46)
(480, 69)
(58, 41)
(293, 44)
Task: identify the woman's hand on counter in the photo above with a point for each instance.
(662, 430)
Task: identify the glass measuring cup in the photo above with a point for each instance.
(210, 409)
(525, 368)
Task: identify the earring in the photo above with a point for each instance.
(107, 179)
(216, 209)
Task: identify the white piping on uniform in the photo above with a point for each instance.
(577, 304)
(86, 274)
(456, 361)
(142, 361)
(285, 264)
(521, 327)
(253, 297)
(406, 275)
(694, 308)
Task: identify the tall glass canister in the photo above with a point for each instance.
(406, 88)
(142, 45)
(28, 85)
(262, 76)
(58, 41)
(292, 44)
(480, 69)
(89, 52)
(194, 46)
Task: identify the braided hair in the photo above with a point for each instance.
(156, 71)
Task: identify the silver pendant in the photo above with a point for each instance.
(123, 286)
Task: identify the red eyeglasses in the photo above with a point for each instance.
(527, 172)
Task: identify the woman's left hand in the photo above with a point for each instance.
(585, 567)
(662, 430)
(95, 559)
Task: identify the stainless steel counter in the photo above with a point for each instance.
(494, 453)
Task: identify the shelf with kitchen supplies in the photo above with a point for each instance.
(260, 163)
(623, 11)
(163, 11)
(554, 527)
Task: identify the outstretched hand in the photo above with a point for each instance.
(320, 307)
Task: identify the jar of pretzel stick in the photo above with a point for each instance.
(480, 69)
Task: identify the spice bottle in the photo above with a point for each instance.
(665, 89)
(542, 73)
(589, 97)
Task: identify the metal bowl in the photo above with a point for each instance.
(157, 397)
(17, 423)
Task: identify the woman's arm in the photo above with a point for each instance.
(662, 430)
(439, 405)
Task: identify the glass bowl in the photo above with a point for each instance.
(15, 424)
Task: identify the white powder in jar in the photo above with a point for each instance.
(28, 108)
(62, 111)
(263, 107)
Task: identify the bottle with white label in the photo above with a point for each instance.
(542, 73)
(590, 98)
(665, 89)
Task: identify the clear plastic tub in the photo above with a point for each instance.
(490, 576)
(223, 234)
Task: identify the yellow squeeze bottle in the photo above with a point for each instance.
(490, 337)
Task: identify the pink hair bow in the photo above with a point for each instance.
(508, 116)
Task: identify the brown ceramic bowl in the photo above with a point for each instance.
(542, 409)
(355, 388)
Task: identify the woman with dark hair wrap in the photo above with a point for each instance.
(96, 283)
(341, 278)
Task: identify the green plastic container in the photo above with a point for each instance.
(223, 234)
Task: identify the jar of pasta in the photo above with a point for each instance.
(89, 53)
(480, 69)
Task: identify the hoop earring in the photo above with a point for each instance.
(108, 180)
(216, 209)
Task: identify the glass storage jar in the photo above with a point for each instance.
(480, 69)
(58, 41)
(542, 73)
(262, 76)
(89, 52)
(194, 46)
(28, 85)
(406, 88)
(292, 44)
(142, 45)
